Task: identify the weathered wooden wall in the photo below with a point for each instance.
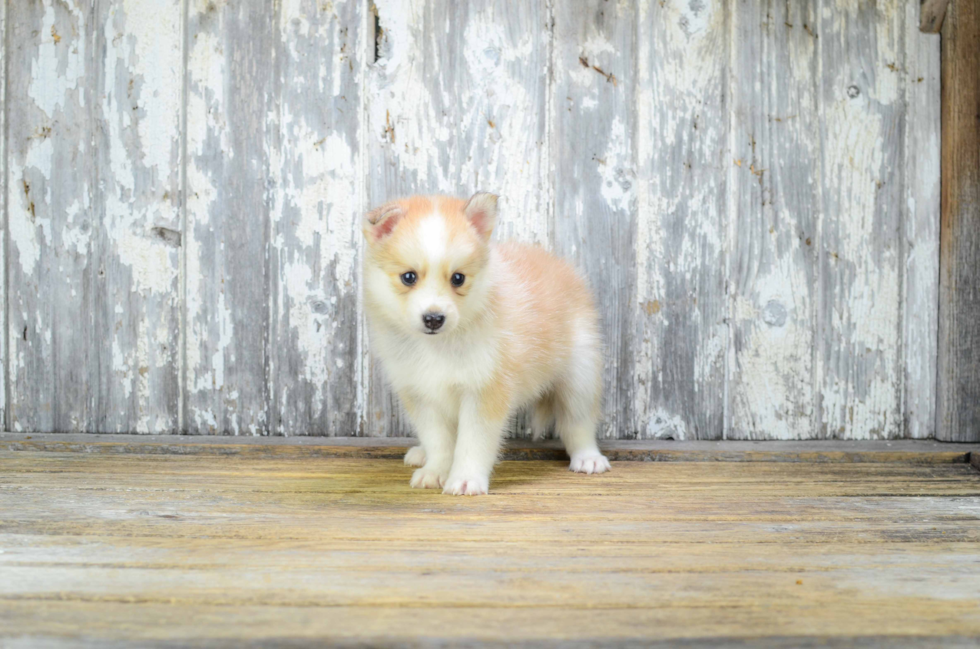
(959, 303)
(751, 186)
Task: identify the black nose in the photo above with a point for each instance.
(433, 321)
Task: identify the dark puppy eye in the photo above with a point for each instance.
(457, 279)
(409, 278)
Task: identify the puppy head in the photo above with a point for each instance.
(425, 263)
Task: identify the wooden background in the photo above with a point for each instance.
(751, 186)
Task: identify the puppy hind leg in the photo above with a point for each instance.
(577, 406)
(578, 435)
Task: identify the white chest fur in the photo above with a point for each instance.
(436, 367)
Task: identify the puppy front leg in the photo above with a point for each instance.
(481, 429)
(435, 434)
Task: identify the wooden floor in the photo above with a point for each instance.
(116, 549)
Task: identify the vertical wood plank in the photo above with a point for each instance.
(861, 265)
(681, 335)
(958, 417)
(93, 215)
(595, 173)
(457, 102)
(412, 138)
(316, 219)
(231, 121)
(922, 190)
(140, 187)
(776, 194)
(502, 66)
(4, 424)
(50, 274)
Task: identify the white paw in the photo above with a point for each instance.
(469, 485)
(589, 462)
(428, 478)
(415, 456)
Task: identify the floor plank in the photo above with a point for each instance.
(189, 550)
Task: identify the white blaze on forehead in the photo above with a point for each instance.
(434, 237)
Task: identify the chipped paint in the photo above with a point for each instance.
(788, 294)
(681, 141)
(921, 234)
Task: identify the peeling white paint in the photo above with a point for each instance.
(663, 425)
(152, 262)
(461, 101)
(401, 108)
(500, 123)
(616, 169)
(65, 51)
(324, 195)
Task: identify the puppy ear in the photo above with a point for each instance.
(379, 222)
(481, 212)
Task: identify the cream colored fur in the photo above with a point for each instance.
(520, 331)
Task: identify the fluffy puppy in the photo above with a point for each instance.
(469, 332)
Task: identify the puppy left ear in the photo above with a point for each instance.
(481, 212)
(379, 222)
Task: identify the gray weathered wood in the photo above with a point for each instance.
(315, 228)
(921, 230)
(959, 288)
(456, 103)
(820, 451)
(751, 188)
(595, 172)
(682, 134)
(931, 14)
(93, 193)
(253, 551)
(3, 207)
(231, 109)
(412, 130)
(776, 191)
(859, 240)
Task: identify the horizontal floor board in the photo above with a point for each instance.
(250, 549)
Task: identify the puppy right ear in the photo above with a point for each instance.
(379, 222)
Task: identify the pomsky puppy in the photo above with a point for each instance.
(469, 332)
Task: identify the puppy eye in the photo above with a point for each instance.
(409, 278)
(457, 279)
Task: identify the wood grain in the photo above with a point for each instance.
(931, 14)
(923, 139)
(250, 550)
(595, 173)
(6, 219)
(230, 98)
(681, 337)
(93, 198)
(751, 188)
(860, 305)
(414, 144)
(456, 102)
(906, 452)
(959, 304)
(775, 170)
(410, 149)
(314, 363)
